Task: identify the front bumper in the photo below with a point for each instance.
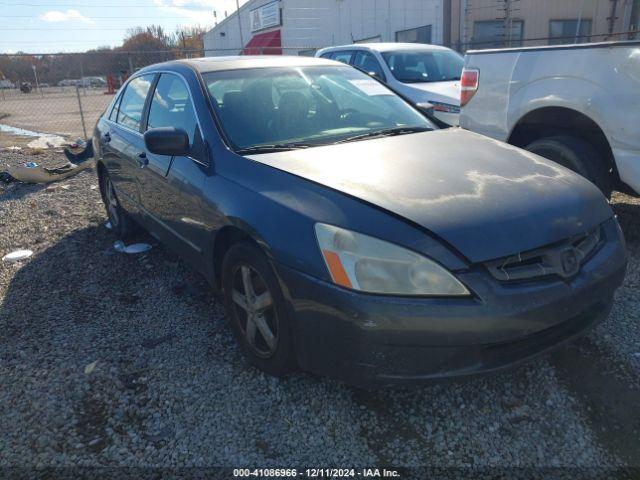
(376, 341)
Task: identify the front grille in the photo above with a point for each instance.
(563, 259)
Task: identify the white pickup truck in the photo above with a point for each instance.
(578, 105)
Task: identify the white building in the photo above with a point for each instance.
(299, 27)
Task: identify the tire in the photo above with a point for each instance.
(121, 223)
(577, 155)
(250, 312)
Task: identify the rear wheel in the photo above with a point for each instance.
(121, 223)
(257, 310)
(577, 155)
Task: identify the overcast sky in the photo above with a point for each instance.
(45, 26)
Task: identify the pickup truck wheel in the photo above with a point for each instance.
(577, 155)
(121, 223)
(257, 310)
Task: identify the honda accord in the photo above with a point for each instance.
(346, 233)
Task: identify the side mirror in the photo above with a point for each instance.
(426, 108)
(168, 141)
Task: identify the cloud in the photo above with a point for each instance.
(198, 11)
(69, 15)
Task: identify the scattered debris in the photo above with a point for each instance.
(17, 256)
(108, 226)
(31, 172)
(13, 148)
(90, 367)
(134, 248)
(80, 157)
(47, 141)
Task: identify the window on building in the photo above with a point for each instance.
(132, 103)
(415, 35)
(367, 62)
(495, 34)
(569, 31)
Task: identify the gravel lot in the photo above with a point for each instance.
(169, 387)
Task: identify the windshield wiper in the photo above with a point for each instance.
(276, 147)
(387, 132)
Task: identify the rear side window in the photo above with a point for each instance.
(344, 57)
(132, 103)
(367, 62)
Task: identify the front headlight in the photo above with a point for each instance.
(365, 263)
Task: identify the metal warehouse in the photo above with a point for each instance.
(300, 27)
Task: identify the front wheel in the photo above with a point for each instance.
(578, 155)
(257, 310)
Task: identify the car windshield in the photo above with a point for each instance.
(424, 66)
(272, 109)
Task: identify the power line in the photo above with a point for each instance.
(82, 5)
(119, 16)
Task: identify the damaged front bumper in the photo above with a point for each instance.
(376, 341)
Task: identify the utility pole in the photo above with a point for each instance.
(35, 74)
(507, 22)
(579, 23)
(239, 24)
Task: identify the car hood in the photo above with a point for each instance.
(445, 92)
(485, 198)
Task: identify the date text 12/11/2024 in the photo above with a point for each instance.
(316, 473)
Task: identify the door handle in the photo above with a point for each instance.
(143, 161)
(106, 138)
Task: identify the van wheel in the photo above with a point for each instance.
(121, 223)
(257, 310)
(577, 155)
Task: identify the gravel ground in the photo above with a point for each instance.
(108, 359)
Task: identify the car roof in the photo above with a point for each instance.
(238, 62)
(386, 47)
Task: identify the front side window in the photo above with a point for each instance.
(424, 66)
(171, 106)
(569, 31)
(367, 62)
(305, 106)
(132, 103)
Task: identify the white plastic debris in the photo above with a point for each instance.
(90, 367)
(132, 249)
(13, 148)
(47, 141)
(17, 256)
(108, 226)
(94, 187)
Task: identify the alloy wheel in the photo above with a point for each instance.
(255, 310)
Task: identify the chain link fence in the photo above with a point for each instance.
(65, 94)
